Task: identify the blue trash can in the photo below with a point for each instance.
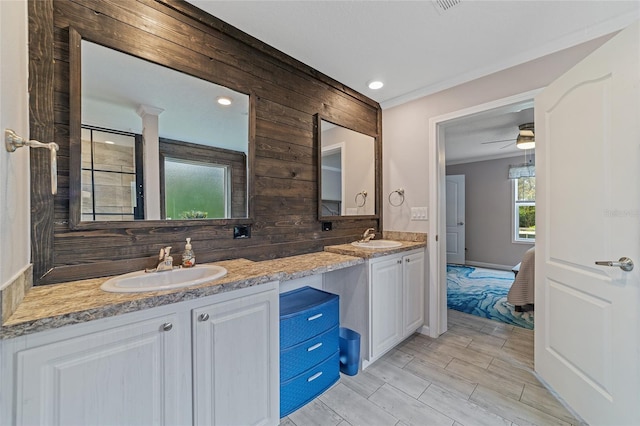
(349, 351)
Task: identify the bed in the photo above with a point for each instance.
(522, 291)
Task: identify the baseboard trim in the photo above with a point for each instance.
(425, 330)
(489, 265)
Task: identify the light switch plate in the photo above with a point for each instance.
(419, 213)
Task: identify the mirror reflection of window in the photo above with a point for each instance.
(110, 180)
(196, 190)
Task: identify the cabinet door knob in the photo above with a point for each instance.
(203, 317)
(399, 262)
(408, 260)
(167, 326)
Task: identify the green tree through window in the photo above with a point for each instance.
(525, 209)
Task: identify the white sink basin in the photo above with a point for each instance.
(154, 281)
(377, 244)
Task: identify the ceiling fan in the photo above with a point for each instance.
(524, 140)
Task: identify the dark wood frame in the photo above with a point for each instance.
(377, 155)
(75, 108)
(284, 93)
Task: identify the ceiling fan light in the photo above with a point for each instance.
(526, 138)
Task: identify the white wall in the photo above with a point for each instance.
(489, 212)
(15, 218)
(359, 174)
(359, 171)
(406, 127)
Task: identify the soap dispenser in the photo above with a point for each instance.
(188, 257)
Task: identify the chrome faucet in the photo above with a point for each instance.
(165, 260)
(368, 235)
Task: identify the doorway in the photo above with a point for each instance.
(437, 197)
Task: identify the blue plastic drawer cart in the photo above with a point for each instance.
(309, 346)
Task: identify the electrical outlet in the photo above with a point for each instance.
(419, 213)
(241, 231)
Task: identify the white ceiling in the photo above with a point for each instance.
(414, 47)
(418, 49)
(487, 135)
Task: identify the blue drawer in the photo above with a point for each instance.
(301, 357)
(303, 388)
(305, 313)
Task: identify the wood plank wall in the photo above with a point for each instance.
(286, 95)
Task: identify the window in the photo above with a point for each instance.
(524, 209)
(195, 189)
(201, 182)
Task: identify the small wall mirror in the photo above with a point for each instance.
(156, 144)
(347, 171)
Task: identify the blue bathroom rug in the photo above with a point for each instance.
(483, 292)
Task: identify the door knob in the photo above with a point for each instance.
(167, 326)
(203, 317)
(460, 223)
(623, 263)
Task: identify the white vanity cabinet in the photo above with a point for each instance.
(413, 284)
(396, 299)
(106, 374)
(236, 361)
(385, 304)
(160, 366)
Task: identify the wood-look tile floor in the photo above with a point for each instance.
(478, 373)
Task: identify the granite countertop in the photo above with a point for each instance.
(52, 306)
(366, 253)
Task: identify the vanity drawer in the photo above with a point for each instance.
(305, 313)
(301, 389)
(301, 357)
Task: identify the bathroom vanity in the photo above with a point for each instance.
(213, 354)
(202, 355)
(396, 300)
(393, 286)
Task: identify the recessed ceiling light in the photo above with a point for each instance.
(223, 100)
(109, 142)
(375, 85)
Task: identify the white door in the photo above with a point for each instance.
(455, 219)
(587, 126)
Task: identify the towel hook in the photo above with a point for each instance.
(400, 192)
(362, 193)
(12, 142)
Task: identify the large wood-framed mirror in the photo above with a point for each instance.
(151, 145)
(284, 96)
(349, 175)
